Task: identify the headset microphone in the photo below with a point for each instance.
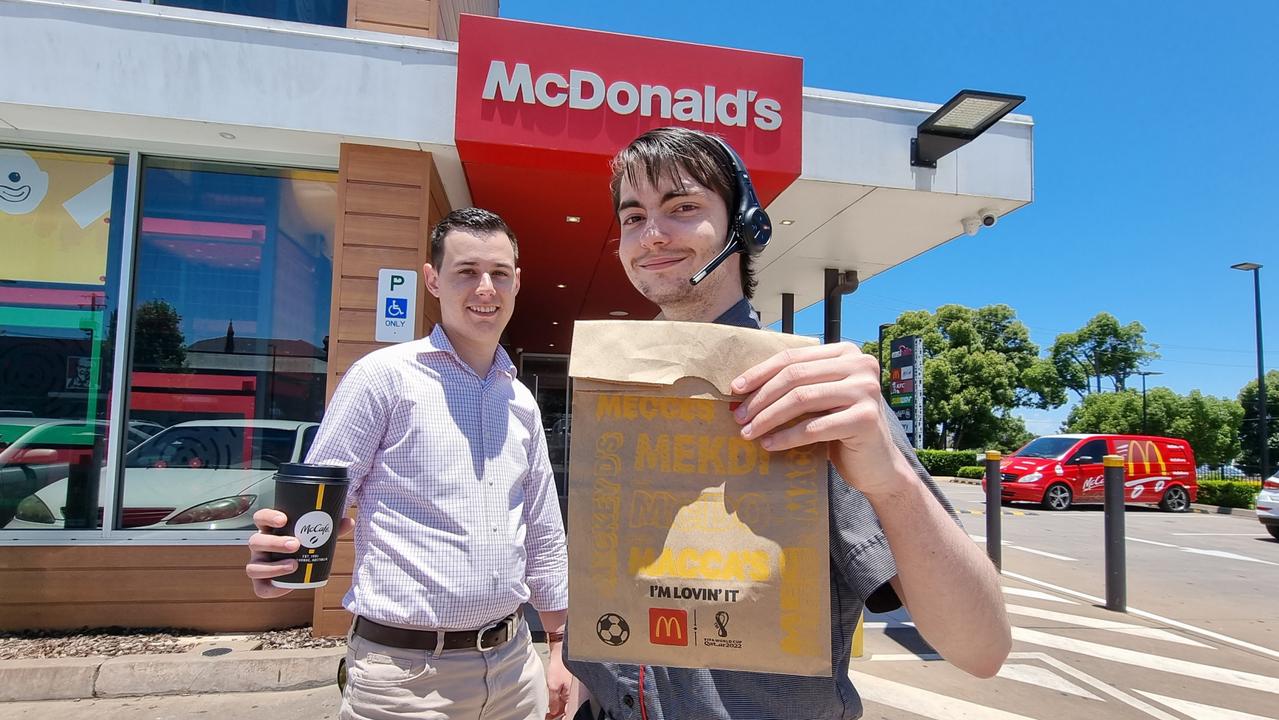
(749, 226)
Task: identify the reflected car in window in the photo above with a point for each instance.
(199, 475)
(35, 452)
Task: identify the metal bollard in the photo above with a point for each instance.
(993, 508)
(1116, 562)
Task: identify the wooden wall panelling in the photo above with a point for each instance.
(197, 587)
(406, 17)
(387, 199)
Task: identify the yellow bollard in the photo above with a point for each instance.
(859, 638)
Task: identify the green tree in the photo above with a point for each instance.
(1012, 434)
(1210, 424)
(1120, 412)
(158, 342)
(1250, 457)
(1101, 349)
(978, 364)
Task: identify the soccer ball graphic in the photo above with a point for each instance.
(612, 629)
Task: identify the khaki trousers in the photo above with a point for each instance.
(385, 683)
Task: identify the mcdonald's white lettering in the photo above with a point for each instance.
(587, 90)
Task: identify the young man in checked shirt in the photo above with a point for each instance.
(458, 523)
(893, 537)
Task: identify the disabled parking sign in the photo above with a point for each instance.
(396, 305)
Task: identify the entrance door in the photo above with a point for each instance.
(547, 377)
(1085, 469)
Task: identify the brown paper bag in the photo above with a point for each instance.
(688, 546)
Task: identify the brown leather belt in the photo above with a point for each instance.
(486, 638)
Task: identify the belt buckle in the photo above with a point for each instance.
(508, 621)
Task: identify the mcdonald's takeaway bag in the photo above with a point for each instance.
(688, 546)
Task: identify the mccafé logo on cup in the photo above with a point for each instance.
(313, 529)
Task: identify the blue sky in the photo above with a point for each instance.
(1156, 156)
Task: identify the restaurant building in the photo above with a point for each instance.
(196, 204)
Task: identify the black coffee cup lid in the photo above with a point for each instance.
(328, 472)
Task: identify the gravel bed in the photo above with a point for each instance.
(115, 641)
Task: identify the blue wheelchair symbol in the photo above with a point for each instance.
(397, 307)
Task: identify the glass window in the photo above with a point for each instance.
(1047, 447)
(547, 377)
(1091, 453)
(316, 12)
(230, 335)
(60, 241)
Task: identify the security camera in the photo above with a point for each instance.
(984, 218)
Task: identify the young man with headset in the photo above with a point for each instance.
(686, 205)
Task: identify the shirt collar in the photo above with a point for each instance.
(438, 341)
(740, 315)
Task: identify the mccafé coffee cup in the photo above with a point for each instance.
(314, 499)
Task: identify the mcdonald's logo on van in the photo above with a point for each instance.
(1141, 451)
(667, 626)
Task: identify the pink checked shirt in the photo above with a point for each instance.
(458, 521)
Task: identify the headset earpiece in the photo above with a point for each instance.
(749, 227)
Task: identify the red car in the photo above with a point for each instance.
(1060, 470)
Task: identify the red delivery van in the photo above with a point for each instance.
(1058, 471)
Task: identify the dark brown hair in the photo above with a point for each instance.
(476, 221)
(664, 152)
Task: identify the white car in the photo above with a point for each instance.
(1268, 505)
(37, 451)
(204, 474)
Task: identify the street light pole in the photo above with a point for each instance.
(1143, 374)
(1263, 433)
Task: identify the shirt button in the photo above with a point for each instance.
(628, 701)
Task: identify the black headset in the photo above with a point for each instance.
(749, 227)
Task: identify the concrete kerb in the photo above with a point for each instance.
(170, 674)
(1219, 510)
(1195, 507)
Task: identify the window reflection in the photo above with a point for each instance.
(234, 276)
(316, 12)
(60, 243)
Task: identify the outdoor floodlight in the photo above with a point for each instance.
(965, 116)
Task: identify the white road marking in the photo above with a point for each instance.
(1151, 542)
(1237, 678)
(1103, 688)
(1043, 677)
(1150, 616)
(880, 625)
(1199, 711)
(922, 702)
(1098, 685)
(1220, 534)
(1022, 592)
(1005, 543)
(1033, 551)
(898, 657)
(1102, 624)
(1226, 555)
(1198, 551)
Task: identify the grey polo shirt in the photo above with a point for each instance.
(860, 567)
